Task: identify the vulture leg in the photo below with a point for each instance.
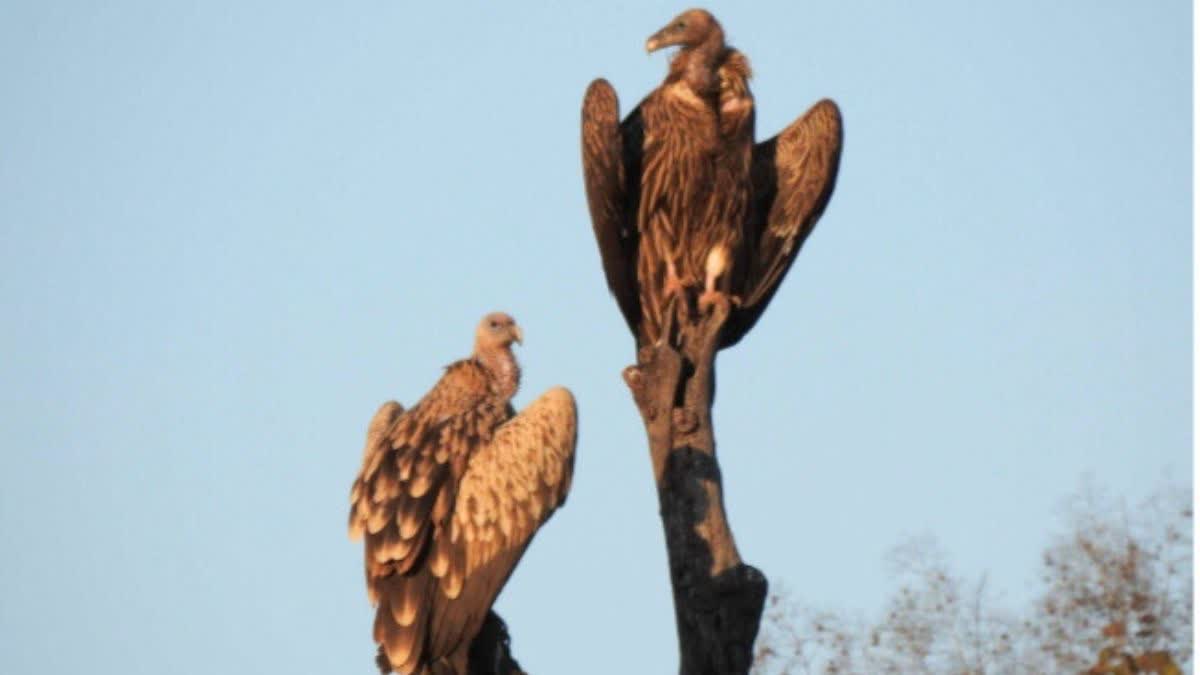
(677, 311)
(716, 268)
(676, 301)
(673, 287)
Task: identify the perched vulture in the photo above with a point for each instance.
(449, 495)
(684, 205)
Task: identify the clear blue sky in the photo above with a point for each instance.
(228, 231)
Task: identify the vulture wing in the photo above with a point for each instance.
(404, 495)
(793, 175)
(612, 176)
(448, 501)
(512, 485)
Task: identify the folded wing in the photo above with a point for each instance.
(404, 495)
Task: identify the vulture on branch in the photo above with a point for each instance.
(684, 205)
(449, 495)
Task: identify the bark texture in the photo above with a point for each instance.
(718, 598)
(491, 651)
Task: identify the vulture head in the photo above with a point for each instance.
(495, 332)
(694, 28)
(493, 349)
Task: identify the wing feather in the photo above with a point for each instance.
(794, 175)
(611, 171)
(534, 450)
(401, 602)
(531, 454)
(362, 492)
(403, 498)
(448, 498)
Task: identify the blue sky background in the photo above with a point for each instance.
(228, 231)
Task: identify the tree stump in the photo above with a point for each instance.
(718, 598)
(491, 653)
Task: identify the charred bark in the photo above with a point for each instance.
(718, 598)
(491, 651)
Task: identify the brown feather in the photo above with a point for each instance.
(794, 175)
(681, 178)
(689, 158)
(611, 171)
(688, 203)
(454, 463)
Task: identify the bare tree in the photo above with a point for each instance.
(1116, 599)
(935, 622)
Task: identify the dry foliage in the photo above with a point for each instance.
(1116, 598)
(1118, 583)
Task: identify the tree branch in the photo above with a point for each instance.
(718, 599)
(491, 653)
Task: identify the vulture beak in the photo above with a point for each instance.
(517, 335)
(662, 39)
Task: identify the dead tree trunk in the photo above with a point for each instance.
(491, 652)
(718, 598)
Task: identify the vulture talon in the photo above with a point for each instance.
(710, 300)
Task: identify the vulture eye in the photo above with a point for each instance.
(495, 324)
(679, 26)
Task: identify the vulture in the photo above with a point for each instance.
(450, 493)
(684, 205)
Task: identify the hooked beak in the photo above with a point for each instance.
(659, 40)
(517, 335)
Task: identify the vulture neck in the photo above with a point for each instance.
(697, 64)
(501, 364)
